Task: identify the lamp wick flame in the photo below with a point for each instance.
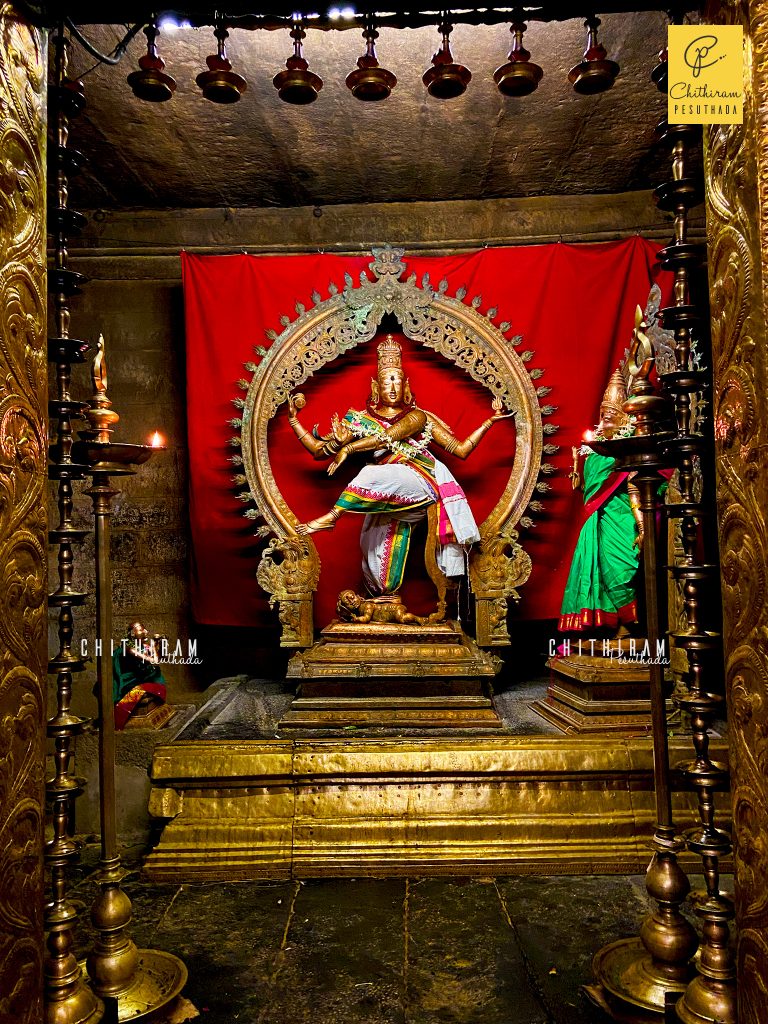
(156, 441)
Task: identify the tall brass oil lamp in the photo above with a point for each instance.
(638, 978)
(134, 983)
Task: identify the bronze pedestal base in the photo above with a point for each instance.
(629, 989)
(589, 694)
(393, 676)
(158, 980)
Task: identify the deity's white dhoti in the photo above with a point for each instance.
(393, 494)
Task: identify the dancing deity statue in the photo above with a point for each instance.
(395, 489)
(600, 591)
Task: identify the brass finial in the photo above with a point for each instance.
(100, 414)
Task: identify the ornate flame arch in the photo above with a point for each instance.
(290, 565)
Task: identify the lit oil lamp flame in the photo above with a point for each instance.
(157, 440)
(589, 435)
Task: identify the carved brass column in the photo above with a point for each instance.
(68, 998)
(736, 163)
(23, 558)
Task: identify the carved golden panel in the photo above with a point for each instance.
(737, 204)
(23, 460)
(309, 808)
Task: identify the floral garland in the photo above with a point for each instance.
(408, 449)
(627, 430)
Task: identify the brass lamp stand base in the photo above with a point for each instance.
(629, 989)
(158, 980)
(393, 676)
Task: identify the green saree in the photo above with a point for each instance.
(600, 589)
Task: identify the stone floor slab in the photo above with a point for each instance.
(342, 959)
(464, 962)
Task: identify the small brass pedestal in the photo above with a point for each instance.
(393, 676)
(592, 694)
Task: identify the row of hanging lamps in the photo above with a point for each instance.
(444, 79)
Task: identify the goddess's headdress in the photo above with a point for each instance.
(615, 395)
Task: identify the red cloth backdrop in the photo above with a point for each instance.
(573, 305)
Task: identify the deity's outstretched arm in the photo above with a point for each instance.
(314, 445)
(445, 437)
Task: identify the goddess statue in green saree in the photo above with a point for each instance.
(600, 592)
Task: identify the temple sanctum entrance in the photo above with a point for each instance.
(399, 468)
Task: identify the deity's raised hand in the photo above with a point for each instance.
(295, 404)
(340, 430)
(497, 405)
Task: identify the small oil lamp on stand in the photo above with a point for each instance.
(134, 983)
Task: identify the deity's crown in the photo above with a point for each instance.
(390, 354)
(616, 393)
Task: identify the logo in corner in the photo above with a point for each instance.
(706, 74)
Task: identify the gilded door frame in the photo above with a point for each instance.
(23, 514)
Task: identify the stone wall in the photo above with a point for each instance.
(135, 299)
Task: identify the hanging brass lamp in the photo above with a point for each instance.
(659, 73)
(297, 84)
(446, 79)
(520, 76)
(151, 83)
(595, 73)
(369, 81)
(220, 83)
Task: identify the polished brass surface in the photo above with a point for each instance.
(113, 960)
(519, 76)
(290, 565)
(220, 83)
(392, 675)
(736, 167)
(369, 81)
(392, 650)
(67, 999)
(150, 82)
(23, 518)
(446, 79)
(595, 73)
(355, 806)
(625, 967)
(646, 974)
(711, 995)
(139, 984)
(158, 980)
(99, 413)
(297, 84)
